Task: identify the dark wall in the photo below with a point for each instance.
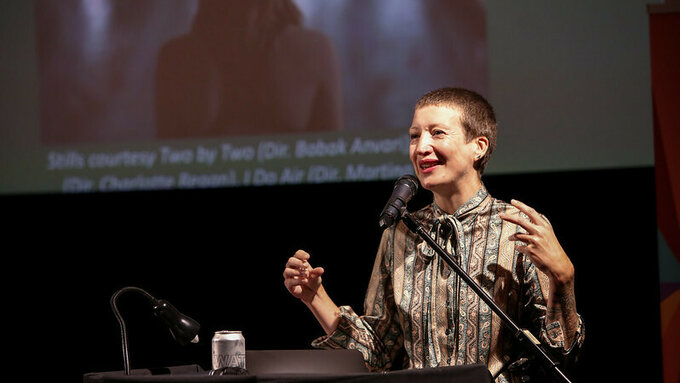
(218, 256)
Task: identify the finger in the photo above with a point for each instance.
(546, 220)
(292, 273)
(302, 255)
(521, 237)
(316, 272)
(305, 278)
(523, 249)
(528, 210)
(296, 263)
(290, 283)
(297, 281)
(517, 220)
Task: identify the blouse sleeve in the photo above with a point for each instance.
(376, 334)
(550, 334)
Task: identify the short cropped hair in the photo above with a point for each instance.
(477, 116)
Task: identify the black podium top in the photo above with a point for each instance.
(292, 366)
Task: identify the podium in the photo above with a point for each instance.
(293, 366)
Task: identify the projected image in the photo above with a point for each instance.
(121, 70)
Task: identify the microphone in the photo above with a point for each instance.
(404, 189)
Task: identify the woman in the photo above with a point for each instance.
(417, 312)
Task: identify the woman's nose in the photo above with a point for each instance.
(424, 144)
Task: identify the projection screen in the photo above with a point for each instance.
(118, 95)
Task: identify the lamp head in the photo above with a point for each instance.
(182, 328)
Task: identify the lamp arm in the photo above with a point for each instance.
(121, 322)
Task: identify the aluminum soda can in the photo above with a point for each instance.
(228, 350)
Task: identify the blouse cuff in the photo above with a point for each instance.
(553, 335)
(338, 338)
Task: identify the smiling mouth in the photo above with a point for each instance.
(428, 165)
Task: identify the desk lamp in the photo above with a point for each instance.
(183, 329)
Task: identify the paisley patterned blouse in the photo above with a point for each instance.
(417, 304)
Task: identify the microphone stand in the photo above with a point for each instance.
(523, 336)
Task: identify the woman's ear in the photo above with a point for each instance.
(482, 146)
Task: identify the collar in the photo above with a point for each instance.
(466, 209)
(450, 226)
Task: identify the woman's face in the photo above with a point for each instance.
(442, 157)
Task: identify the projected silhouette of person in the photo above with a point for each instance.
(247, 68)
